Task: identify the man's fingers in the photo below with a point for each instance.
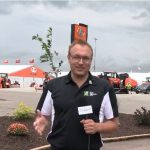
(89, 126)
(39, 129)
(34, 123)
(40, 123)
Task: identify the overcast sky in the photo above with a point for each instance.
(121, 27)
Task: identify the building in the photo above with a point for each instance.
(24, 74)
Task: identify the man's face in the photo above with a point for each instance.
(80, 58)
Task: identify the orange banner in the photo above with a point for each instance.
(79, 32)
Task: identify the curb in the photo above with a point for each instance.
(123, 138)
(45, 147)
(114, 139)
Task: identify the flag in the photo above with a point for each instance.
(79, 31)
(17, 61)
(31, 61)
(5, 61)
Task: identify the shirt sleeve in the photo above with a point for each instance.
(109, 108)
(45, 103)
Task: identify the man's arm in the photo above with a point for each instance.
(40, 122)
(92, 127)
(43, 111)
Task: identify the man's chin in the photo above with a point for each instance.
(80, 73)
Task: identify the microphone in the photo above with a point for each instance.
(84, 108)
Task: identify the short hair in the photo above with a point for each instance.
(82, 43)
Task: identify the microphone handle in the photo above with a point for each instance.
(89, 138)
(87, 117)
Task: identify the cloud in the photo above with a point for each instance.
(5, 8)
(122, 30)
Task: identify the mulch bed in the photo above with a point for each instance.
(128, 126)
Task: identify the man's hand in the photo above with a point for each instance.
(92, 127)
(89, 125)
(40, 123)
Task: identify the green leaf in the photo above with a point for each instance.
(40, 39)
(33, 37)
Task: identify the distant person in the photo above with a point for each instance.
(80, 105)
(101, 75)
(129, 87)
(16, 84)
(4, 82)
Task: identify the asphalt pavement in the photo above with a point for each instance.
(11, 97)
(136, 144)
(128, 103)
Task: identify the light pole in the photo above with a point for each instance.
(94, 67)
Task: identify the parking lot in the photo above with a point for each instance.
(10, 98)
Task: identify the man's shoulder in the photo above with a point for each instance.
(99, 80)
(58, 80)
(61, 78)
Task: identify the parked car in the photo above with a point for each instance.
(143, 88)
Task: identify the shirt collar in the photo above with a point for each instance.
(68, 78)
(90, 79)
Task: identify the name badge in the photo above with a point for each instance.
(84, 110)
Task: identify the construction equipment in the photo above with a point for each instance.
(120, 82)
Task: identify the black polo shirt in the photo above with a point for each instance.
(61, 99)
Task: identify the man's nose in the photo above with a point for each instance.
(81, 61)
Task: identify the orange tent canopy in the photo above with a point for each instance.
(31, 71)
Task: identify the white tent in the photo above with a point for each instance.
(24, 74)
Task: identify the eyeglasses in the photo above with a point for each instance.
(85, 59)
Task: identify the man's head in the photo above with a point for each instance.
(80, 57)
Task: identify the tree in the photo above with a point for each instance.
(48, 54)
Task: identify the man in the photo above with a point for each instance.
(81, 106)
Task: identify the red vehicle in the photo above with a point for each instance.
(4, 81)
(119, 82)
(112, 77)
